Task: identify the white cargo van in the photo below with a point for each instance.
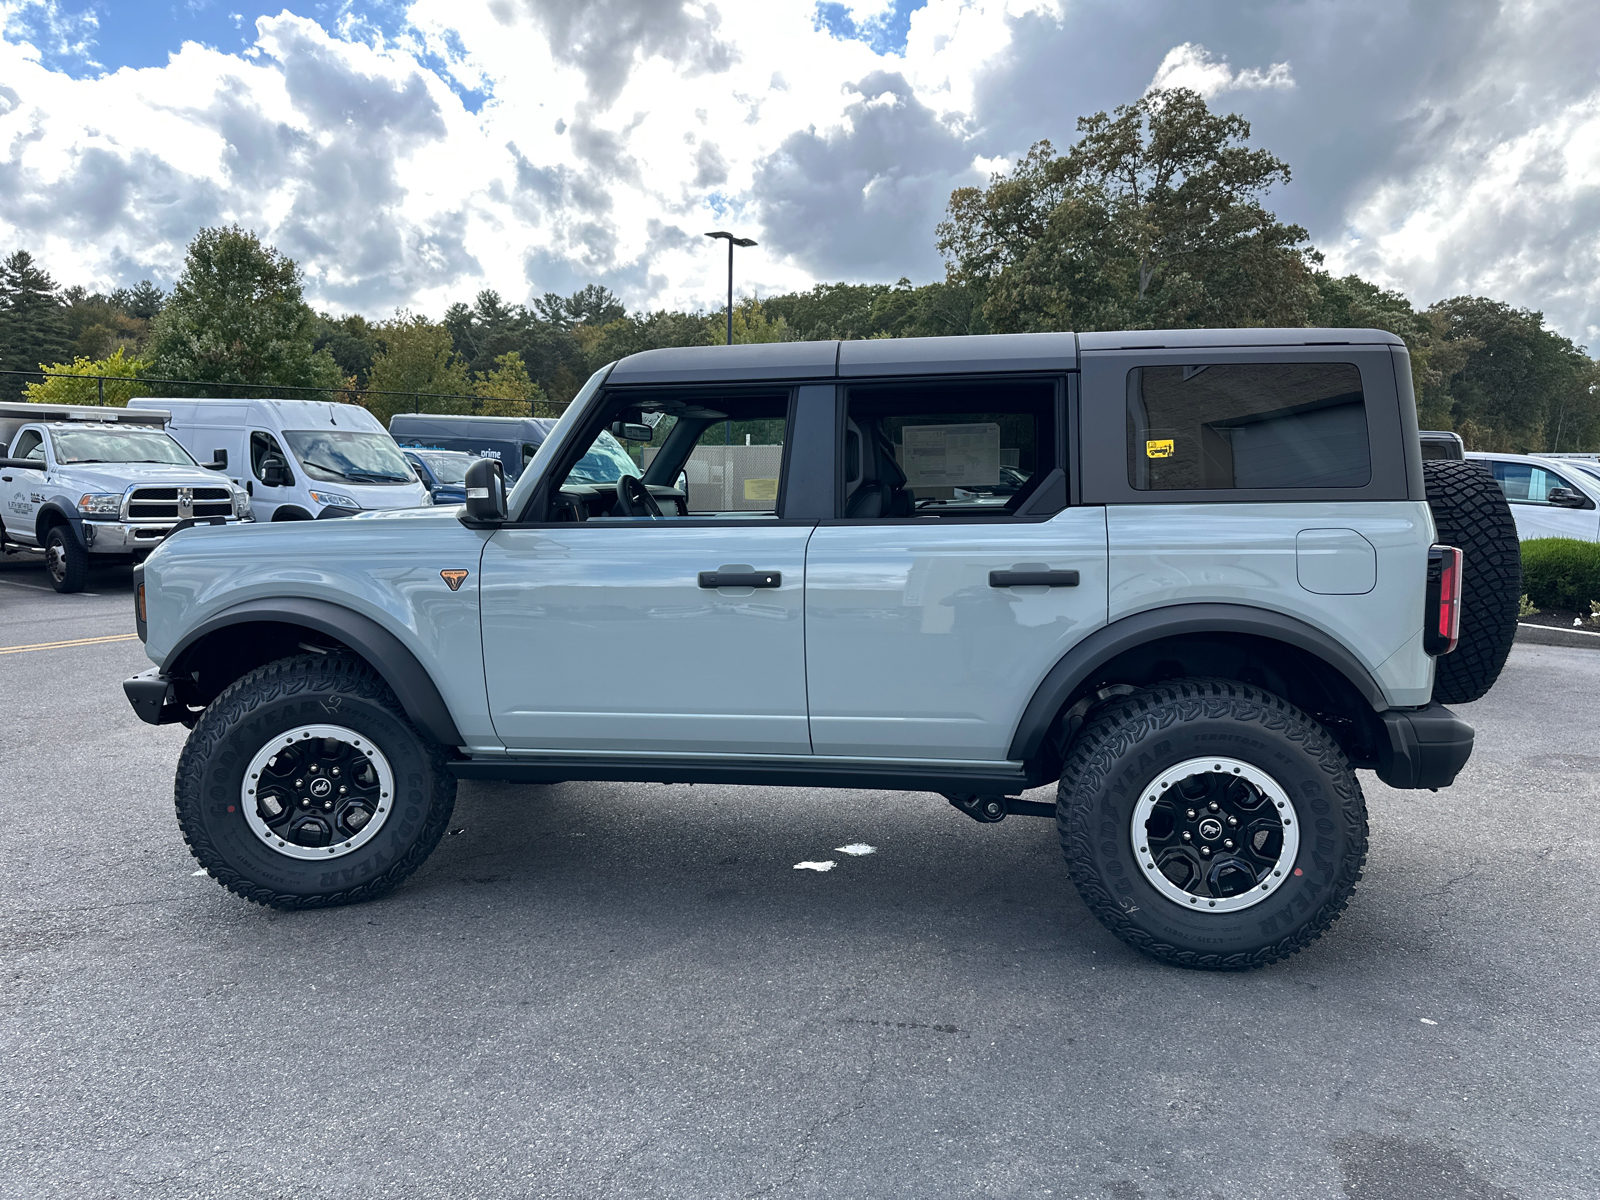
(298, 459)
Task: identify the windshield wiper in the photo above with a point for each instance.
(354, 476)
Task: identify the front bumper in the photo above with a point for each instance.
(150, 693)
(129, 537)
(1423, 747)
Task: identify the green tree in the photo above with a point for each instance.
(123, 385)
(97, 325)
(630, 334)
(417, 358)
(237, 316)
(1521, 387)
(1152, 219)
(352, 342)
(508, 390)
(33, 328)
(752, 325)
(141, 302)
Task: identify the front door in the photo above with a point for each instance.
(22, 490)
(266, 498)
(669, 635)
(955, 579)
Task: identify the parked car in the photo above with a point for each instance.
(1221, 580)
(510, 441)
(89, 484)
(1442, 445)
(299, 459)
(443, 472)
(1549, 497)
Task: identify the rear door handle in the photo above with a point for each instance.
(749, 579)
(1033, 578)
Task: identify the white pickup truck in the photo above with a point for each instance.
(108, 482)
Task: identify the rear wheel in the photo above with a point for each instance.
(1470, 512)
(1211, 824)
(304, 785)
(65, 560)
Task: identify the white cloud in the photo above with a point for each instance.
(532, 145)
(1533, 200)
(1191, 66)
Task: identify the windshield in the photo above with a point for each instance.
(334, 456)
(448, 468)
(1590, 469)
(121, 446)
(606, 462)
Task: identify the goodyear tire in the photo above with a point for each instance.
(1471, 513)
(304, 785)
(1211, 824)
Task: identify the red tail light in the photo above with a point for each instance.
(1443, 613)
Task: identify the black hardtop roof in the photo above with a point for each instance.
(947, 355)
(447, 424)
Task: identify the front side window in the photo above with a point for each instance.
(938, 449)
(1524, 483)
(264, 448)
(30, 446)
(1239, 426)
(342, 456)
(122, 446)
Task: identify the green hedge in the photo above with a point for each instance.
(1561, 573)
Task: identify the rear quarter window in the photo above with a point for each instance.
(1243, 426)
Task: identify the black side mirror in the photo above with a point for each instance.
(219, 461)
(275, 474)
(1566, 498)
(486, 493)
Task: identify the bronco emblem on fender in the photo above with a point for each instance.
(453, 578)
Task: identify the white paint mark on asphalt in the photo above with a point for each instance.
(201, 871)
(1425, 1021)
(856, 849)
(815, 866)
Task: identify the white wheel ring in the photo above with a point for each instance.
(1269, 787)
(281, 742)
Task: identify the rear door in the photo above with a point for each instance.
(956, 574)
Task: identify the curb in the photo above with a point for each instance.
(1549, 635)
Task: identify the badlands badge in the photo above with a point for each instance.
(453, 578)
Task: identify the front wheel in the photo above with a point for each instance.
(304, 785)
(1211, 824)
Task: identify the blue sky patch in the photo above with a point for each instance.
(104, 35)
(884, 34)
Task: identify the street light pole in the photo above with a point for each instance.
(732, 242)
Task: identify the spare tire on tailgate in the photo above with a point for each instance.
(1470, 512)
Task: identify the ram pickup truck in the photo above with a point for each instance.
(86, 484)
(1195, 580)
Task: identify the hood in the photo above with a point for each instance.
(376, 495)
(114, 477)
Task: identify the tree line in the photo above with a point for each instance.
(1153, 218)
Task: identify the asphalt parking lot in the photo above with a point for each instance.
(629, 990)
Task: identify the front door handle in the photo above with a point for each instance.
(749, 579)
(1031, 577)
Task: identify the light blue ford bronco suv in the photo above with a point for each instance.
(1195, 579)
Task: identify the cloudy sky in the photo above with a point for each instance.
(408, 154)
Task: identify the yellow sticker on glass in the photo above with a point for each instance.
(1160, 448)
(761, 489)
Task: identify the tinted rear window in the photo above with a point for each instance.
(1233, 426)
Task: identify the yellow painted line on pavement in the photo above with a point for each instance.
(96, 641)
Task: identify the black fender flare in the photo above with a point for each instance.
(300, 513)
(1104, 644)
(58, 507)
(383, 651)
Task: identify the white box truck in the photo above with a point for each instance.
(300, 460)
